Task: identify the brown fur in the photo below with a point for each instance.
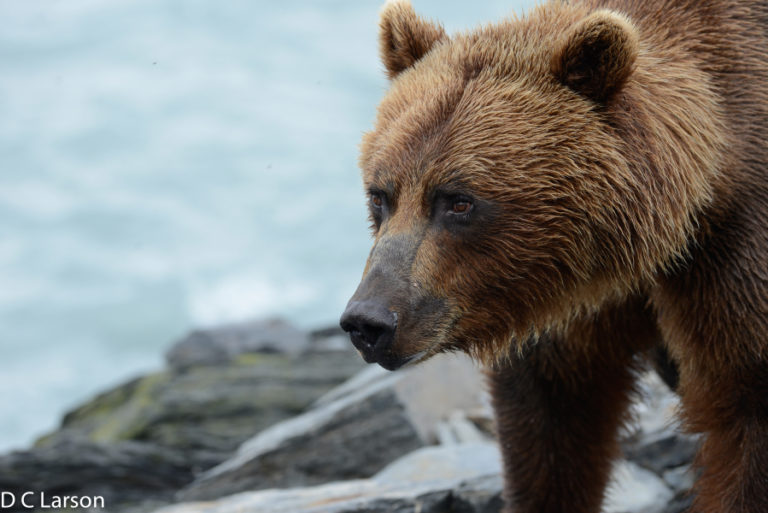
(560, 410)
(615, 156)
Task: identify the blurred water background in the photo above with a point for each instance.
(167, 164)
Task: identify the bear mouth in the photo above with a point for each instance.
(387, 359)
(393, 362)
(414, 359)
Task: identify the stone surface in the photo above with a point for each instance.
(442, 462)
(126, 473)
(448, 479)
(208, 411)
(140, 442)
(283, 448)
(679, 479)
(352, 432)
(458, 478)
(666, 450)
(460, 428)
(657, 443)
(636, 490)
(655, 409)
(260, 405)
(221, 344)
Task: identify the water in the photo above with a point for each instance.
(166, 164)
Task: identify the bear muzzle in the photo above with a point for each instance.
(371, 327)
(385, 312)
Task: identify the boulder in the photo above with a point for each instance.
(667, 450)
(636, 490)
(352, 432)
(125, 474)
(457, 478)
(240, 412)
(207, 411)
(657, 442)
(444, 479)
(222, 344)
(145, 439)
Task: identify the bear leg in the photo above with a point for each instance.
(714, 316)
(734, 455)
(559, 407)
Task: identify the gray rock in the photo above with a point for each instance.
(458, 428)
(655, 409)
(352, 432)
(443, 462)
(125, 474)
(352, 437)
(142, 441)
(636, 490)
(463, 478)
(680, 479)
(681, 503)
(455, 479)
(657, 442)
(221, 344)
(666, 450)
(331, 338)
(355, 496)
(206, 412)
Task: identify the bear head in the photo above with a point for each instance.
(501, 189)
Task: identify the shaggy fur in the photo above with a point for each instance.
(555, 193)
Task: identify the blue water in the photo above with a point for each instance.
(166, 164)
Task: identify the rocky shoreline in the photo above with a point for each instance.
(263, 417)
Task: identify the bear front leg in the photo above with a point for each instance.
(559, 407)
(715, 318)
(731, 409)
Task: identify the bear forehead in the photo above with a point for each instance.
(442, 113)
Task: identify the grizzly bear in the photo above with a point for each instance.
(562, 193)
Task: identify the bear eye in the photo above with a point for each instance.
(377, 199)
(377, 203)
(460, 206)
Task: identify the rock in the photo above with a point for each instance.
(443, 462)
(349, 438)
(331, 338)
(665, 450)
(125, 473)
(654, 410)
(461, 478)
(658, 444)
(681, 503)
(636, 490)
(680, 479)
(459, 428)
(144, 440)
(456, 479)
(206, 412)
(222, 344)
(352, 432)
(321, 417)
(356, 496)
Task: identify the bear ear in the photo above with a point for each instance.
(404, 37)
(597, 55)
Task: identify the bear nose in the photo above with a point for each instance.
(371, 326)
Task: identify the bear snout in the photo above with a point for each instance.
(371, 327)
